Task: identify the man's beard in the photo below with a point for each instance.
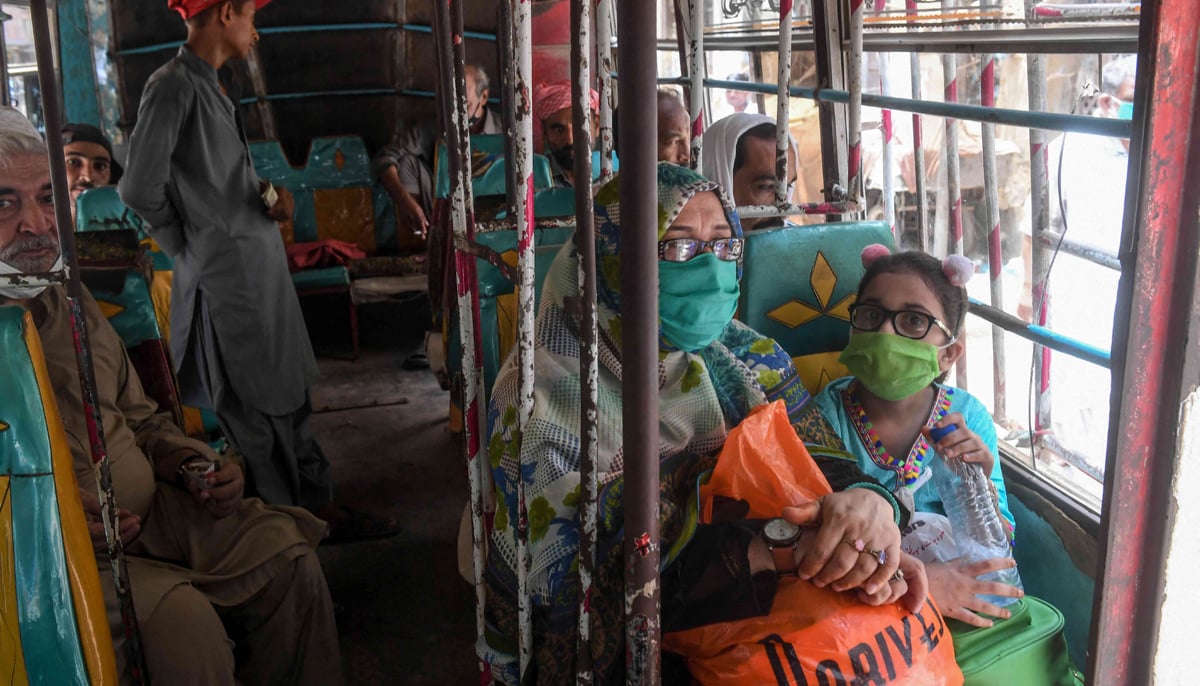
(565, 156)
(12, 254)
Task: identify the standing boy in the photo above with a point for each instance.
(237, 333)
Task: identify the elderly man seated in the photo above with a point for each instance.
(226, 589)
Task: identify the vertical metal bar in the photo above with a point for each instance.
(1151, 348)
(604, 35)
(924, 240)
(523, 212)
(783, 98)
(1039, 196)
(696, 70)
(258, 82)
(855, 189)
(5, 94)
(507, 63)
(889, 164)
(589, 370)
(831, 73)
(639, 338)
(987, 84)
(52, 109)
(950, 78)
(453, 86)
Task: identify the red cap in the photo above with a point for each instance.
(190, 8)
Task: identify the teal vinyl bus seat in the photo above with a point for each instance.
(797, 286)
(101, 209)
(498, 296)
(114, 268)
(53, 624)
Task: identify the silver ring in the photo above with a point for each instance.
(898, 576)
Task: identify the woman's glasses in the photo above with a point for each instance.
(907, 323)
(684, 249)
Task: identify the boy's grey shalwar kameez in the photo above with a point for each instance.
(237, 332)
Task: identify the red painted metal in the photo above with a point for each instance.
(1159, 289)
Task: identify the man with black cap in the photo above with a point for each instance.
(90, 160)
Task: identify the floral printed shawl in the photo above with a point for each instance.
(701, 396)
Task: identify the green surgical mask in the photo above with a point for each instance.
(890, 366)
(696, 300)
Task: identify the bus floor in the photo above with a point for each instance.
(404, 614)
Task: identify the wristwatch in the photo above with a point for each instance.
(781, 536)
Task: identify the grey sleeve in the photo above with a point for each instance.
(145, 184)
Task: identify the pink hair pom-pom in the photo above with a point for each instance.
(958, 270)
(873, 252)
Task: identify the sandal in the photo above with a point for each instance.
(361, 526)
(416, 361)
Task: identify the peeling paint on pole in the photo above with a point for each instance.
(696, 70)
(783, 101)
(451, 65)
(854, 123)
(953, 184)
(991, 187)
(522, 42)
(604, 19)
(585, 243)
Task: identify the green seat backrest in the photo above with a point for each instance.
(129, 310)
(497, 297)
(488, 174)
(39, 558)
(101, 209)
(334, 193)
(797, 287)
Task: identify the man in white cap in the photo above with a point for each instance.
(739, 154)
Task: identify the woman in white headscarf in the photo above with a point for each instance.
(739, 154)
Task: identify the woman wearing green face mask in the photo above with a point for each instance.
(712, 372)
(905, 327)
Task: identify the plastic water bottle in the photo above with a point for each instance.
(974, 514)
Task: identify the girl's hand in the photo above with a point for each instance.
(962, 443)
(956, 587)
(909, 588)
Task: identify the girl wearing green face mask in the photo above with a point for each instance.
(905, 328)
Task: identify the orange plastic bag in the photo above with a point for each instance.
(812, 636)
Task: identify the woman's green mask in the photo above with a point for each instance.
(890, 366)
(696, 300)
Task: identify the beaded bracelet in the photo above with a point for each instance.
(885, 493)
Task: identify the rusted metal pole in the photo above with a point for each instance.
(589, 370)
(696, 71)
(925, 239)
(783, 116)
(453, 86)
(604, 55)
(889, 164)
(508, 104)
(5, 94)
(991, 188)
(53, 111)
(1039, 197)
(856, 187)
(523, 213)
(831, 73)
(639, 338)
(1154, 357)
(950, 78)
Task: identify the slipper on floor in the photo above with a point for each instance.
(416, 361)
(361, 526)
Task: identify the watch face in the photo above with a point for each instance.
(780, 531)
